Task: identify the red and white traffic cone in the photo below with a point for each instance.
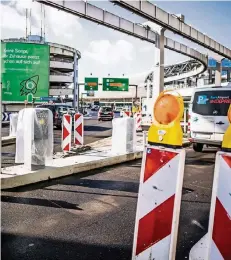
(66, 132)
(216, 244)
(138, 118)
(78, 129)
(158, 205)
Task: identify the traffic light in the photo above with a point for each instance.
(226, 144)
(166, 129)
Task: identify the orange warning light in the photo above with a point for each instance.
(166, 109)
(167, 113)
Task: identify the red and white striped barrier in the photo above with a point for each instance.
(78, 129)
(138, 118)
(66, 132)
(127, 114)
(217, 242)
(158, 207)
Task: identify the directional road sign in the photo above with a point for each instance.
(91, 84)
(115, 84)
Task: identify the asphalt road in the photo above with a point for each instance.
(92, 216)
(93, 131)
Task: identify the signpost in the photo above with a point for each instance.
(25, 71)
(91, 84)
(115, 84)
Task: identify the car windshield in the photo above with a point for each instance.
(212, 103)
(106, 109)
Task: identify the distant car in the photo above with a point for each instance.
(95, 108)
(58, 110)
(105, 113)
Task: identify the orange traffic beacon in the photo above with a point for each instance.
(166, 129)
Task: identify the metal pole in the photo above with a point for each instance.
(1, 125)
(75, 97)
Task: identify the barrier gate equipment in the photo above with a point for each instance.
(161, 180)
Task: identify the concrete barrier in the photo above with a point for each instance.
(59, 168)
(8, 140)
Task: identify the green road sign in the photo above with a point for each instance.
(91, 84)
(25, 71)
(115, 84)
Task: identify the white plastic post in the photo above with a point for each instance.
(13, 124)
(78, 129)
(123, 135)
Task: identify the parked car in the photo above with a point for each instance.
(208, 116)
(105, 113)
(58, 110)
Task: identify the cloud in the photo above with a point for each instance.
(59, 25)
(105, 52)
(62, 23)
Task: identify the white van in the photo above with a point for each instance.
(208, 116)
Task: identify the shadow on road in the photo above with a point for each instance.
(207, 161)
(104, 184)
(40, 202)
(20, 247)
(93, 193)
(95, 128)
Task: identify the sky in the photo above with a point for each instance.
(105, 51)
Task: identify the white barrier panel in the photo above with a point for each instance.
(123, 135)
(78, 129)
(13, 124)
(158, 207)
(217, 242)
(66, 132)
(138, 118)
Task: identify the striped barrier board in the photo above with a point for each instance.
(127, 114)
(66, 132)
(78, 129)
(138, 118)
(158, 207)
(217, 242)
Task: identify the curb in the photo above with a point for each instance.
(57, 172)
(8, 140)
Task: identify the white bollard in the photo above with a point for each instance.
(13, 124)
(34, 138)
(123, 135)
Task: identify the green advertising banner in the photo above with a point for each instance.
(25, 71)
(115, 84)
(91, 84)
